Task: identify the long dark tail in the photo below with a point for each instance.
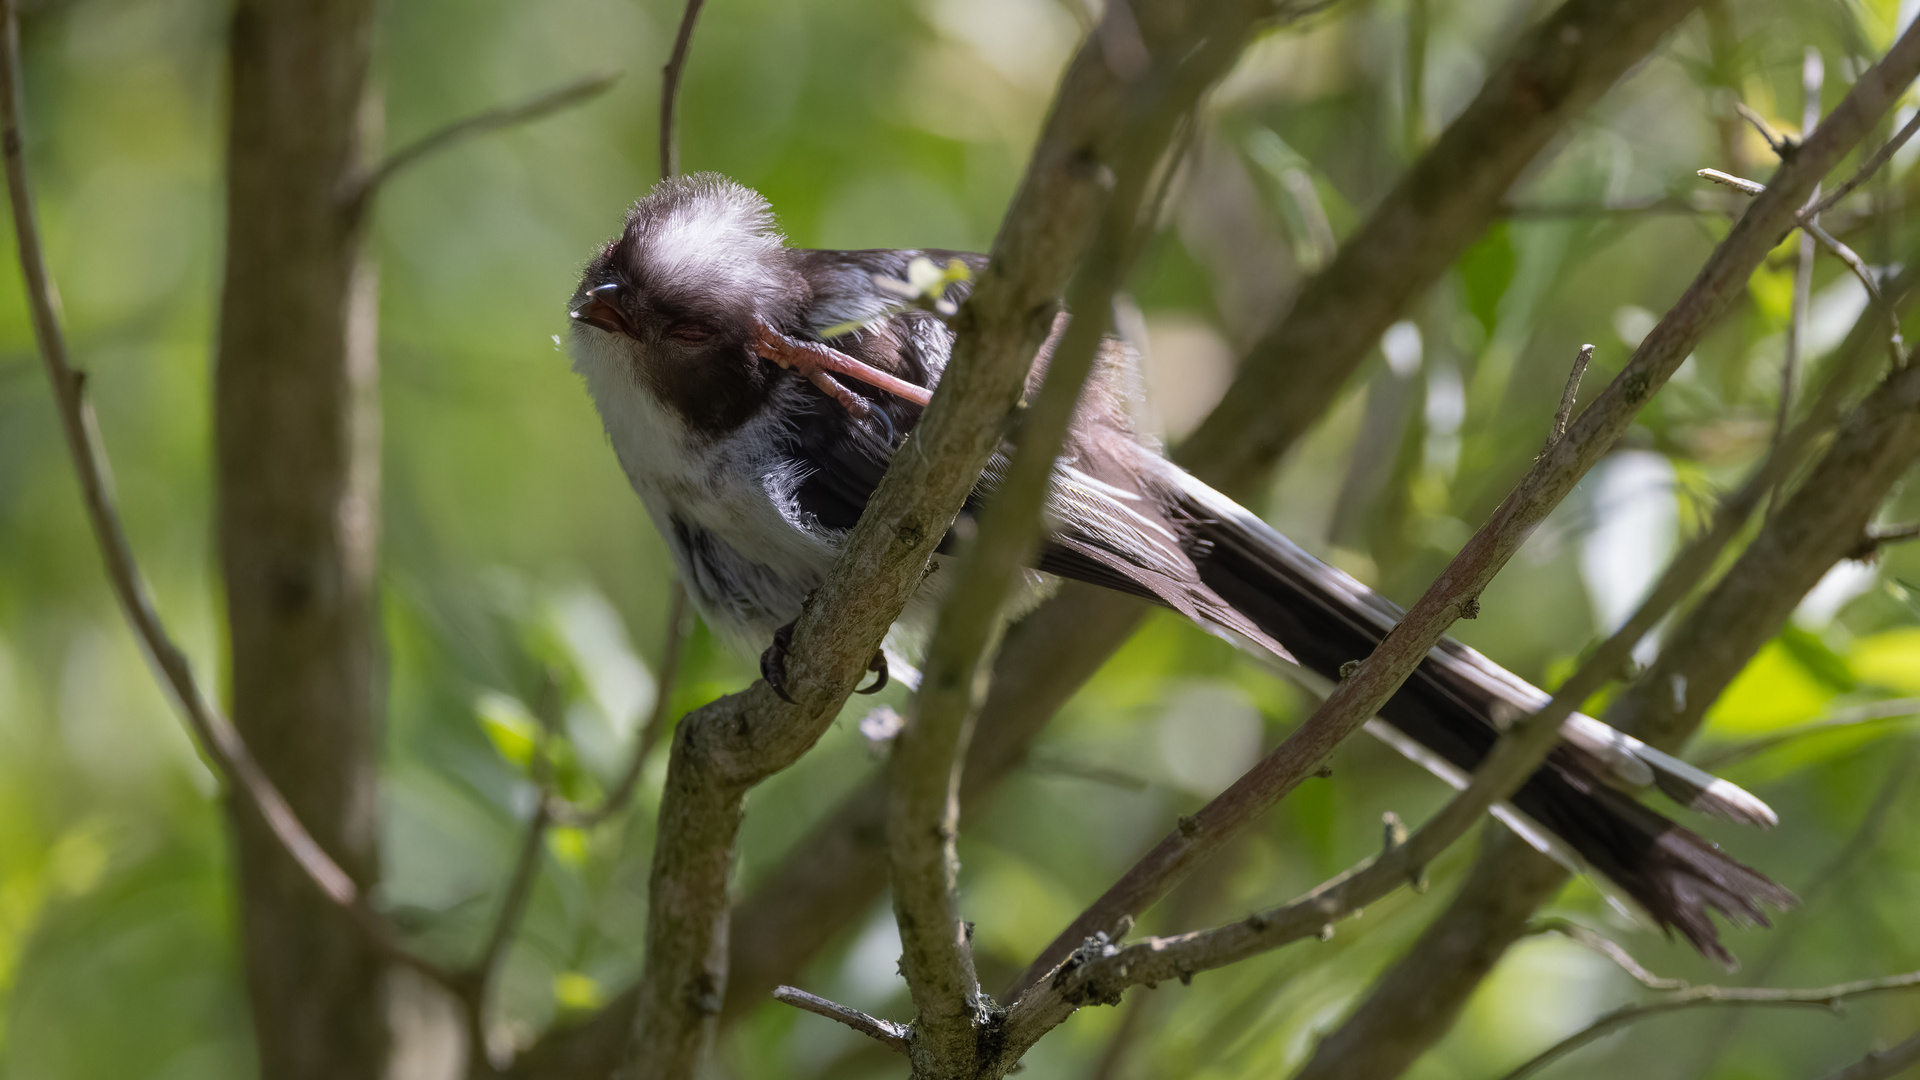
(1449, 713)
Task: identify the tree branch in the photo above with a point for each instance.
(1718, 286)
(216, 736)
(670, 87)
(1447, 199)
(887, 1033)
(1608, 948)
(725, 748)
(1874, 713)
(1825, 997)
(1450, 196)
(482, 123)
(1416, 1001)
(1883, 1064)
(1867, 169)
(937, 959)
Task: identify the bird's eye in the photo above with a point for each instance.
(689, 333)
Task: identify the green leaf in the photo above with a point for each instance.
(1486, 270)
(1890, 660)
(1822, 663)
(510, 727)
(576, 991)
(1774, 691)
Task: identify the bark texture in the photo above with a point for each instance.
(297, 448)
(1448, 199)
(1416, 1001)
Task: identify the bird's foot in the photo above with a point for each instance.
(877, 665)
(773, 662)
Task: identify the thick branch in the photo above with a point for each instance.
(229, 755)
(1449, 197)
(1416, 1001)
(936, 960)
(1719, 285)
(723, 749)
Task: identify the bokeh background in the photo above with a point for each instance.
(511, 540)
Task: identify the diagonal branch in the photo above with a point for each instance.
(216, 736)
(482, 123)
(1417, 1000)
(1714, 291)
(1446, 200)
(1825, 997)
(722, 750)
(887, 1033)
(1608, 948)
(1883, 1064)
(937, 959)
(1873, 713)
(1450, 196)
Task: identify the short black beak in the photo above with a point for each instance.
(601, 310)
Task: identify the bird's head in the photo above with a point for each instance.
(675, 304)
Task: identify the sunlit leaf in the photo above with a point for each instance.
(577, 992)
(510, 727)
(1890, 659)
(1774, 690)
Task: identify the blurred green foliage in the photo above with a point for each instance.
(513, 546)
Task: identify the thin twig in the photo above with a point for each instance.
(1737, 183)
(936, 955)
(1829, 877)
(1567, 396)
(1413, 1005)
(1812, 76)
(1866, 170)
(1714, 291)
(1825, 997)
(1285, 384)
(1878, 712)
(679, 626)
(1608, 948)
(484, 123)
(1781, 145)
(1875, 539)
(887, 1033)
(526, 866)
(670, 88)
(228, 753)
(725, 748)
(1895, 345)
(1688, 204)
(1883, 1064)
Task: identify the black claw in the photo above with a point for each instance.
(773, 662)
(877, 665)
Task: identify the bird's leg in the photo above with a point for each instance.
(773, 662)
(816, 361)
